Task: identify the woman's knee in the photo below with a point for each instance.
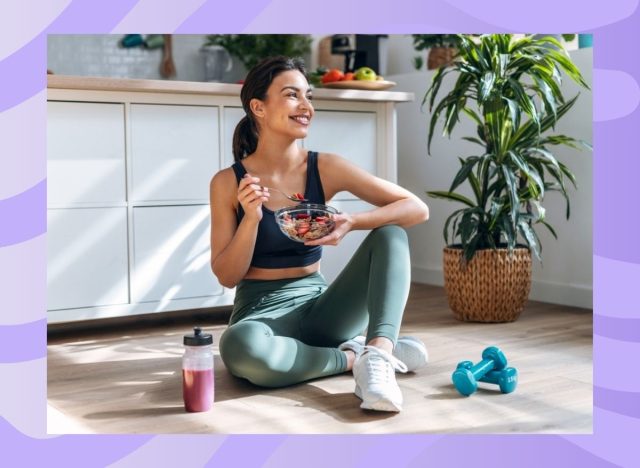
(390, 234)
(245, 349)
(242, 343)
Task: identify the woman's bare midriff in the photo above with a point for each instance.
(281, 273)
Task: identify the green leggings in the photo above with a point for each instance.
(282, 332)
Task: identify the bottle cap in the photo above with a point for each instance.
(198, 338)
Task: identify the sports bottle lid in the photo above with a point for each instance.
(198, 338)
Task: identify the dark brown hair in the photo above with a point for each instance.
(258, 80)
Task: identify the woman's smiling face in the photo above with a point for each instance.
(287, 108)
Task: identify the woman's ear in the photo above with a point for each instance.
(257, 107)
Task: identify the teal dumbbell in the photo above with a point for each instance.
(506, 379)
(466, 379)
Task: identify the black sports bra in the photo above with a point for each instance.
(273, 249)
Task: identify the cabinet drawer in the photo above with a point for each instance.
(85, 153)
(171, 253)
(174, 151)
(86, 257)
(352, 135)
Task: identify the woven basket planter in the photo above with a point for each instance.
(493, 287)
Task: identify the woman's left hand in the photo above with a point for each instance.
(344, 224)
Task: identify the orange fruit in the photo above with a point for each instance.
(348, 76)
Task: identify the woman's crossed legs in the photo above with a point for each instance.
(302, 344)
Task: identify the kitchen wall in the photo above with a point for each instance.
(565, 276)
(100, 55)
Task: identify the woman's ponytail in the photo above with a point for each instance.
(245, 138)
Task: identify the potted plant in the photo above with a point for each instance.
(442, 48)
(510, 88)
(251, 48)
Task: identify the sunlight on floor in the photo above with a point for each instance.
(58, 423)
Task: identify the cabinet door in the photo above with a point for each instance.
(171, 253)
(174, 151)
(335, 258)
(86, 257)
(352, 135)
(232, 115)
(85, 153)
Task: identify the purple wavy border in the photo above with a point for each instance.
(614, 194)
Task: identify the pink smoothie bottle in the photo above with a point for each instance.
(197, 371)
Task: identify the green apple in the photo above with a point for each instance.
(365, 74)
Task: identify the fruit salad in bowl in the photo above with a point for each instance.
(306, 221)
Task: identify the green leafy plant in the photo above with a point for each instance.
(510, 88)
(418, 62)
(251, 48)
(427, 41)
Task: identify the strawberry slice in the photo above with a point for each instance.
(302, 216)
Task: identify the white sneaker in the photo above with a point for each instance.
(374, 372)
(354, 344)
(410, 350)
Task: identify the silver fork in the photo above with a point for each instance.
(290, 197)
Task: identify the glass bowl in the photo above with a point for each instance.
(306, 221)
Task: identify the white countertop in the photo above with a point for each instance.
(194, 87)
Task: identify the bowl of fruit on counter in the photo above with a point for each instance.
(363, 78)
(306, 221)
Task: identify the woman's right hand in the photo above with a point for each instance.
(251, 196)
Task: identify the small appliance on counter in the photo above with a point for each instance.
(362, 50)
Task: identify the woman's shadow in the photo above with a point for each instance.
(343, 407)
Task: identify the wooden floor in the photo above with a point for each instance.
(130, 381)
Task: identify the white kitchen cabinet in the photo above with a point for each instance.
(335, 258)
(174, 151)
(129, 168)
(352, 135)
(85, 153)
(86, 257)
(171, 253)
(231, 118)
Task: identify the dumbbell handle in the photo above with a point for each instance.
(492, 377)
(480, 369)
(488, 377)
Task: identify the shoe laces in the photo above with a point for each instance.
(381, 365)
